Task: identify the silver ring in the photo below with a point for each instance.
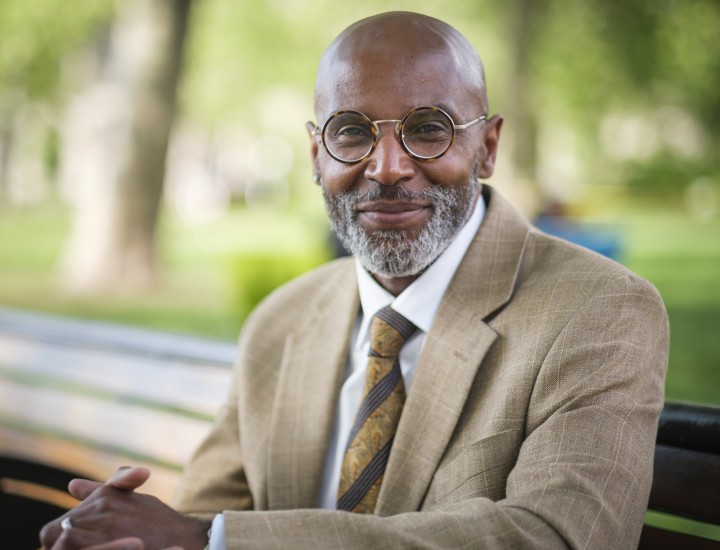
(66, 524)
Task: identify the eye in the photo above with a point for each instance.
(429, 128)
(348, 129)
(353, 130)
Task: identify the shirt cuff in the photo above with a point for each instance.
(217, 535)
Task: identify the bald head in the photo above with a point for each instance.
(409, 41)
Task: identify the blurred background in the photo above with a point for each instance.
(154, 163)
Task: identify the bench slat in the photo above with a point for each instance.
(88, 462)
(110, 336)
(158, 435)
(686, 483)
(690, 426)
(91, 396)
(171, 382)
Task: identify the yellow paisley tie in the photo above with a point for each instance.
(373, 432)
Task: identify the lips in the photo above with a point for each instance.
(393, 214)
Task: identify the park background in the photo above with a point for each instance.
(154, 163)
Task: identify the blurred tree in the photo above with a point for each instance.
(667, 51)
(35, 38)
(130, 113)
(639, 84)
(579, 77)
(524, 26)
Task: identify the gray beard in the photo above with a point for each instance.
(400, 253)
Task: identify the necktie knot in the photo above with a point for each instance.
(388, 332)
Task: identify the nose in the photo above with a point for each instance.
(389, 164)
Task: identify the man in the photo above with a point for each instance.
(530, 371)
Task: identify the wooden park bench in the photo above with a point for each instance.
(82, 398)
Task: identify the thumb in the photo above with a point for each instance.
(125, 478)
(128, 479)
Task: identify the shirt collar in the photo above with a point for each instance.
(419, 302)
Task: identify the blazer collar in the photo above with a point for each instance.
(453, 351)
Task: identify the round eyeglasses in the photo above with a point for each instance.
(425, 133)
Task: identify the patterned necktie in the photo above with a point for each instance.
(372, 433)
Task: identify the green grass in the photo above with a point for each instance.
(206, 270)
(199, 290)
(681, 256)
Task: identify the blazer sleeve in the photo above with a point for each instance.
(214, 480)
(584, 469)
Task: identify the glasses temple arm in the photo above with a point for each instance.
(463, 126)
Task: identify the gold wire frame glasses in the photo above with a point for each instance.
(425, 133)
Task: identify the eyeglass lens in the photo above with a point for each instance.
(426, 133)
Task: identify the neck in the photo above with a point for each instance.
(395, 285)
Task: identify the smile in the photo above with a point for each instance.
(393, 214)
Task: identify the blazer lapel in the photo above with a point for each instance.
(453, 351)
(309, 384)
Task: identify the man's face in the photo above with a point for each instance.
(397, 214)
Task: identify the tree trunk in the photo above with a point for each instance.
(523, 26)
(120, 161)
(6, 143)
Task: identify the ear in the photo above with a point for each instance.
(491, 137)
(314, 147)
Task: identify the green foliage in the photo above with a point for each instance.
(665, 174)
(257, 275)
(690, 68)
(632, 53)
(35, 36)
(638, 56)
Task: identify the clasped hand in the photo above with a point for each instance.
(113, 516)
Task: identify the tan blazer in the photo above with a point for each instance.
(530, 422)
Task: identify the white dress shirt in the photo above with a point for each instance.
(418, 303)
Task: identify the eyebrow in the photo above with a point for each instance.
(445, 107)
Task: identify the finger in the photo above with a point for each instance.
(60, 543)
(128, 479)
(83, 488)
(128, 543)
(52, 532)
(76, 537)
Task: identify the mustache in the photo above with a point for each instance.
(392, 192)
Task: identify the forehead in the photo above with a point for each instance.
(388, 81)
